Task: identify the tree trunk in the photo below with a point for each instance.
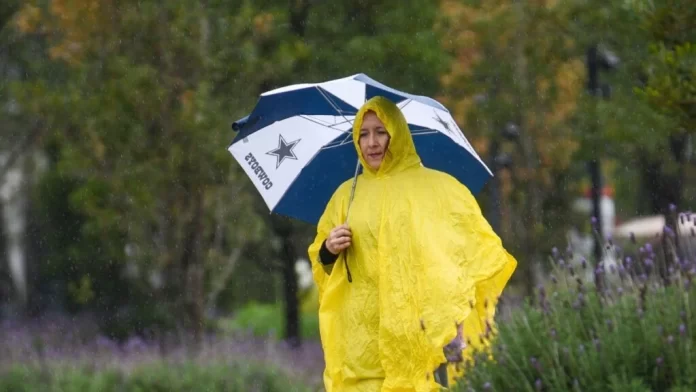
(290, 289)
(192, 267)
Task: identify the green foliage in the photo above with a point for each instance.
(637, 334)
(135, 103)
(151, 378)
(264, 320)
(671, 86)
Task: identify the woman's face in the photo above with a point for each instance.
(374, 140)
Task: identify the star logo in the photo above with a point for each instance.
(442, 122)
(284, 150)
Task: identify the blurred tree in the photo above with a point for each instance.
(521, 62)
(669, 87)
(648, 124)
(128, 95)
(513, 69)
(138, 90)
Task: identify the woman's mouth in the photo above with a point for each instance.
(375, 155)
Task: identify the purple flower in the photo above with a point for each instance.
(659, 361)
(104, 342)
(648, 262)
(672, 207)
(622, 271)
(538, 384)
(669, 231)
(487, 385)
(554, 252)
(135, 344)
(649, 248)
(682, 329)
(594, 221)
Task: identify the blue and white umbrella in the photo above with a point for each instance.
(297, 145)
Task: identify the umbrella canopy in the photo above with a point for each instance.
(296, 145)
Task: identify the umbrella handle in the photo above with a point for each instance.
(350, 202)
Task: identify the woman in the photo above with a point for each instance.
(415, 261)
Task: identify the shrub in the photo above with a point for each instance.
(58, 354)
(265, 320)
(636, 334)
(160, 377)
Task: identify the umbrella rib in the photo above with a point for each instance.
(425, 132)
(324, 124)
(333, 144)
(332, 103)
(406, 103)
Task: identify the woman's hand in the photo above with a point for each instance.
(339, 239)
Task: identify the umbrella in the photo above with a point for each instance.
(296, 145)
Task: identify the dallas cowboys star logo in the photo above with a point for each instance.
(284, 150)
(442, 122)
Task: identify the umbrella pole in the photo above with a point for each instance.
(352, 189)
(350, 202)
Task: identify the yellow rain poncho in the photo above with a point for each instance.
(423, 259)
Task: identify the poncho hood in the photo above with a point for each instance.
(401, 154)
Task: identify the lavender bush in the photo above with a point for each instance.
(59, 354)
(630, 328)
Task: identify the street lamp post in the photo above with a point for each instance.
(598, 60)
(500, 160)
